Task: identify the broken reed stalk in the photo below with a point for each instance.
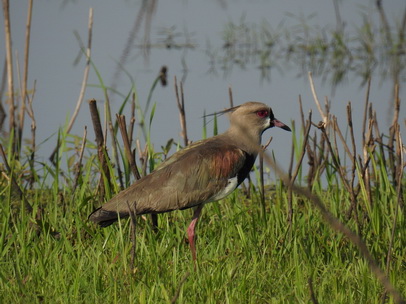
(127, 147)
(25, 74)
(143, 156)
(230, 96)
(84, 80)
(101, 148)
(182, 114)
(10, 76)
(162, 78)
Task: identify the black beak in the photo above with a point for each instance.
(279, 124)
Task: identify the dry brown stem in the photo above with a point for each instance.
(25, 74)
(101, 148)
(182, 114)
(127, 147)
(10, 77)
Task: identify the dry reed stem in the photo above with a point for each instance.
(392, 133)
(316, 100)
(10, 76)
(127, 147)
(182, 114)
(301, 112)
(101, 148)
(230, 96)
(25, 74)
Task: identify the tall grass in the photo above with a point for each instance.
(53, 254)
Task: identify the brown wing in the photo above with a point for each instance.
(190, 177)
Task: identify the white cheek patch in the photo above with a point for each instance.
(267, 123)
(231, 185)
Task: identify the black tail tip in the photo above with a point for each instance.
(103, 217)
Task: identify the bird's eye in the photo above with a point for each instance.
(263, 113)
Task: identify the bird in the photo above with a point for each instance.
(204, 171)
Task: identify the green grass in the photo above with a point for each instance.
(243, 257)
(247, 251)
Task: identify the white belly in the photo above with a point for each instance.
(232, 184)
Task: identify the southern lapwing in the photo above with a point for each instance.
(205, 171)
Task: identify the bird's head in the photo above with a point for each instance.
(248, 121)
(255, 117)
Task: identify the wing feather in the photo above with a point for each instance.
(190, 177)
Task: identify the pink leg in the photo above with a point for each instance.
(191, 231)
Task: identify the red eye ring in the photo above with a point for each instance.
(263, 113)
